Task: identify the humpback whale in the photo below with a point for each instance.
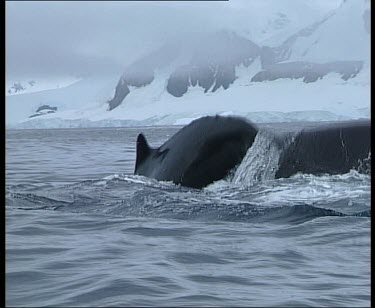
(200, 153)
(208, 148)
(332, 148)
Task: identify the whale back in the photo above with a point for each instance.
(200, 153)
(331, 149)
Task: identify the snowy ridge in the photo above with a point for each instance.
(328, 99)
(337, 91)
(351, 22)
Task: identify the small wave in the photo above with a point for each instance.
(29, 201)
(180, 206)
(271, 200)
(351, 175)
(139, 179)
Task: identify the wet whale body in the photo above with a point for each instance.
(200, 153)
(329, 149)
(207, 149)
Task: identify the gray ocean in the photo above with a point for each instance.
(82, 230)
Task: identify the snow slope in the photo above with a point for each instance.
(85, 94)
(339, 36)
(269, 22)
(330, 98)
(344, 36)
(29, 85)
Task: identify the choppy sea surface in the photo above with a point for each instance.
(82, 230)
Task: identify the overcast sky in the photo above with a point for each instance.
(103, 36)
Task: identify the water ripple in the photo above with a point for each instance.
(81, 230)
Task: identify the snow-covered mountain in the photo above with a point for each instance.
(282, 70)
(343, 35)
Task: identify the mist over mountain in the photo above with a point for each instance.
(281, 62)
(310, 54)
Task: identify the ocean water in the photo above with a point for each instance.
(82, 230)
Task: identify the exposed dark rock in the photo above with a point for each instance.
(310, 72)
(194, 76)
(132, 77)
(213, 64)
(121, 91)
(40, 114)
(206, 77)
(178, 82)
(48, 107)
(42, 110)
(225, 75)
(138, 78)
(141, 73)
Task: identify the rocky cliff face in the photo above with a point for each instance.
(42, 110)
(213, 64)
(141, 72)
(310, 72)
(210, 63)
(133, 77)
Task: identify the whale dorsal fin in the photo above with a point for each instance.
(143, 150)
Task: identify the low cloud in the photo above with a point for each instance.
(79, 37)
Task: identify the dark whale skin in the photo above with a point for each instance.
(330, 149)
(200, 153)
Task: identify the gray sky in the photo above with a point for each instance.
(103, 36)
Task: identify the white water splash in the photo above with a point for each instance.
(365, 164)
(352, 189)
(261, 160)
